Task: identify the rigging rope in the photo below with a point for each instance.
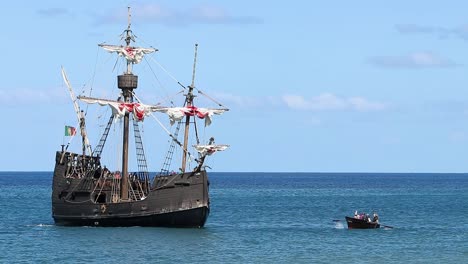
(171, 135)
(157, 79)
(159, 122)
(207, 96)
(165, 129)
(168, 73)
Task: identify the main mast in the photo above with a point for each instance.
(189, 103)
(126, 82)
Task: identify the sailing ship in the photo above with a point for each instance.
(86, 192)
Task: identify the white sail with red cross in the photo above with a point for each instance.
(119, 108)
(177, 113)
(132, 54)
(209, 149)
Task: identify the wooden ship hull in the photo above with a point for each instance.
(354, 223)
(176, 200)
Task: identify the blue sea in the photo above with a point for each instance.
(257, 218)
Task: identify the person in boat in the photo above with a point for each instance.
(362, 216)
(356, 215)
(375, 219)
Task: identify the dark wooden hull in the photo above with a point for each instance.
(179, 200)
(354, 223)
(186, 218)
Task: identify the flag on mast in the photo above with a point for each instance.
(70, 131)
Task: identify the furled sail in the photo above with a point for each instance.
(177, 113)
(209, 149)
(133, 54)
(119, 108)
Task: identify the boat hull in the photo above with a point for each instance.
(354, 223)
(186, 218)
(176, 200)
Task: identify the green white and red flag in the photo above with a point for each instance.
(70, 131)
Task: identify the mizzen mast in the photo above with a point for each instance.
(189, 102)
(81, 117)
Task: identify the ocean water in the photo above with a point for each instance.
(257, 218)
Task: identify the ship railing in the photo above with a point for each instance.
(136, 190)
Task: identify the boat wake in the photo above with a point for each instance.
(41, 225)
(339, 225)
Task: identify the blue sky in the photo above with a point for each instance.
(312, 86)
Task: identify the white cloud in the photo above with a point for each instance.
(362, 104)
(325, 101)
(32, 96)
(241, 101)
(415, 29)
(458, 136)
(328, 101)
(159, 14)
(440, 32)
(53, 12)
(413, 60)
(322, 102)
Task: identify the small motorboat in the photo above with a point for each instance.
(361, 223)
